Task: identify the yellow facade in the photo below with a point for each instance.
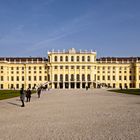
(16, 74)
(70, 69)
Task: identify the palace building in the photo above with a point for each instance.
(68, 70)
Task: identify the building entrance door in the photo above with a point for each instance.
(83, 85)
(61, 85)
(66, 85)
(72, 85)
(78, 85)
(55, 85)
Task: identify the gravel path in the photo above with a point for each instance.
(72, 115)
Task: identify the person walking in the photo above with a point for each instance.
(22, 97)
(39, 92)
(28, 95)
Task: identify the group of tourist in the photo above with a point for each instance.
(27, 94)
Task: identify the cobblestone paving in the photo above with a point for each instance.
(72, 115)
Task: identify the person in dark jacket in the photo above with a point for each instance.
(22, 96)
(28, 95)
(39, 92)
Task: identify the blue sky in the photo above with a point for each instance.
(31, 27)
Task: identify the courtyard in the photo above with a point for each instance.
(95, 114)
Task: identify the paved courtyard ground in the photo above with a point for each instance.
(72, 115)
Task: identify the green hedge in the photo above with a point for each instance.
(127, 91)
(6, 94)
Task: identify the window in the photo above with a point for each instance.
(78, 77)
(78, 67)
(40, 78)
(113, 77)
(72, 77)
(29, 85)
(72, 58)
(88, 77)
(29, 78)
(17, 68)
(78, 58)
(29, 68)
(12, 78)
(1, 67)
(83, 67)
(83, 77)
(22, 85)
(1, 78)
(66, 77)
(48, 77)
(61, 77)
(98, 77)
(55, 58)
(17, 78)
(45, 78)
(55, 67)
(1, 86)
(120, 78)
(88, 67)
(34, 78)
(125, 78)
(108, 77)
(22, 78)
(83, 58)
(61, 67)
(88, 58)
(103, 77)
(34, 68)
(114, 85)
(55, 77)
(72, 67)
(66, 67)
(17, 86)
(66, 58)
(61, 58)
(22, 68)
(40, 68)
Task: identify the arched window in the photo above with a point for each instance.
(83, 58)
(61, 77)
(88, 58)
(72, 77)
(78, 58)
(72, 58)
(66, 77)
(55, 77)
(66, 58)
(78, 77)
(83, 77)
(61, 58)
(88, 77)
(55, 58)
